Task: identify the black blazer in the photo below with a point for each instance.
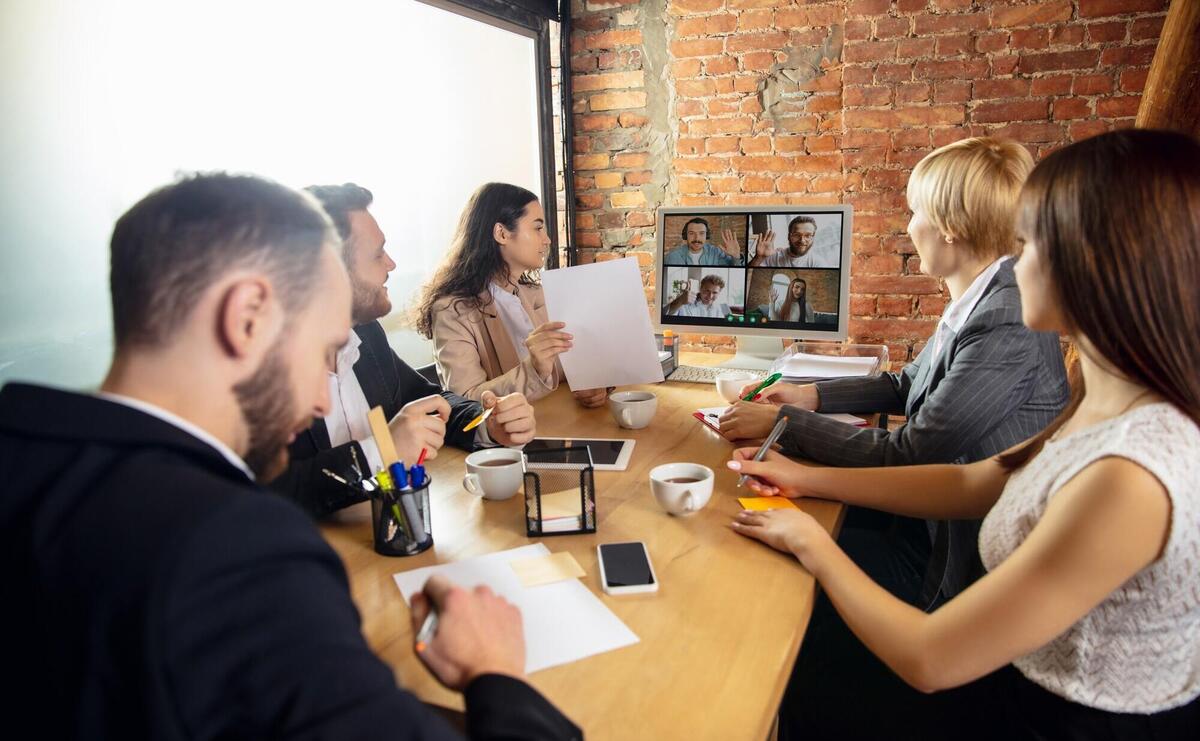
(386, 381)
(994, 383)
(152, 591)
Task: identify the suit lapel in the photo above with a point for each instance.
(500, 339)
(367, 371)
(320, 435)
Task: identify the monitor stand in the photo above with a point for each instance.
(754, 353)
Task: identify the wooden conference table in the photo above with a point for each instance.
(717, 641)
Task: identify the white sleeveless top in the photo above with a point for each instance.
(1138, 651)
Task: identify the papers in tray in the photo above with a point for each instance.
(804, 365)
(711, 415)
(564, 621)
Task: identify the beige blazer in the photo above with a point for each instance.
(474, 352)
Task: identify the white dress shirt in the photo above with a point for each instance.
(177, 421)
(955, 315)
(348, 408)
(513, 316)
(698, 309)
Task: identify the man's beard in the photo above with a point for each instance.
(368, 302)
(799, 250)
(268, 410)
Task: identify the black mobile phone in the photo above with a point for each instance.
(625, 568)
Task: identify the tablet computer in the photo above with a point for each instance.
(607, 454)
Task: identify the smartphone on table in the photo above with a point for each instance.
(625, 568)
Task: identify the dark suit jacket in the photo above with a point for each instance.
(994, 384)
(152, 591)
(386, 381)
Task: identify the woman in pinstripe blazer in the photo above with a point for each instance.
(983, 383)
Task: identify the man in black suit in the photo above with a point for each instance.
(152, 589)
(368, 373)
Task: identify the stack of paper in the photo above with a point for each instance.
(561, 511)
(804, 366)
(564, 621)
(711, 416)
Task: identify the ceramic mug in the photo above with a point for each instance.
(494, 473)
(633, 409)
(681, 488)
(730, 383)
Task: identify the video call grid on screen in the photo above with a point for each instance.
(738, 280)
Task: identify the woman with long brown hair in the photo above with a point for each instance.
(793, 305)
(484, 308)
(1087, 623)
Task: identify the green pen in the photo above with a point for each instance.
(766, 382)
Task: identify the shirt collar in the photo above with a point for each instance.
(347, 356)
(957, 312)
(173, 419)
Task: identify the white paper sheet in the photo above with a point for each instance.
(712, 414)
(604, 307)
(808, 365)
(564, 621)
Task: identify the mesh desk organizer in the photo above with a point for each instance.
(560, 492)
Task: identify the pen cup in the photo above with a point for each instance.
(396, 537)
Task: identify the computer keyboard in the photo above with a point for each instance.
(707, 373)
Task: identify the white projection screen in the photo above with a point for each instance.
(104, 100)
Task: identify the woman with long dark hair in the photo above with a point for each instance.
(1087, 622)
(484, 308)
(793, 305)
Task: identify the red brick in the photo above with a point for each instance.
(1086, 129)
(854, 30)
(1068, 108)
(1138, 55)
(752, 20)
(587, 238)
(689, 146)
(758, 184)
(686, 108)
(613, 39)
(862, 306)
(640, 218)
(1134, 80)
(585, 221)
(721, 145)
(931, 305)
(756, 41)
(910, 138)
(910, 6)
(763, 164)
(895, 305)
(1103, 8)
(1012, 88)
(582, 183)
(685, 68)
(1145, 29)
(755, 144)
(951, 91)
(718, 24)
(912, 92)
(878, 265)
(896, 329)
(1030, 38)
(697, 48)
(972, 69)
(709, 127)
(1051, 85)
(608, 80)
(868, 51)
(640, 177)
(792, 184)
(819, 144)
(591, 161)
(1092, 84)
(1107, 31)
(900, 117)
(1029, 15)
(609, 180)
(819, 163)
(890, 28)
(952, 46)
(1066, 35)
(682, 7)
(867, 7)
(686, 27)
(632, 120)
(990, 42)
(1004, 64)
(589, 200)
(746, 83)
(720, 65)
(915, 48)
(856, 139)
(691, 184)
(751, 4)
(1056, 60)
(596, 122)
(1024, 110)
(790, 145)
(1118, 107)
(758, 61)
(857, 74)
(1031, 132)
(702, 164)
(724, 85)
(729, 184)
(613, 101)
(631, 159)
(583, 63)
(750, 105)
(928, 25)
(699, 88)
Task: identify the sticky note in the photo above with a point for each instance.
(540, 570)
(759, 504)
(563, 503)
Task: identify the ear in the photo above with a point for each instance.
(248, 315)
(500, 234)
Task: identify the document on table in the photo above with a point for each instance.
(564, 621)
(604, 307)
(810, 365)
(711, 415)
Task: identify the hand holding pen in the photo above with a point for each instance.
(761, 453)
(774, 475)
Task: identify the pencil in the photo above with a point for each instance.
(762, 451)
(428, 628)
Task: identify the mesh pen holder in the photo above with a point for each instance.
(393, 516)
(560, 492)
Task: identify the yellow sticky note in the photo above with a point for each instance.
(759, 504)
(563, 503)
(534, 572)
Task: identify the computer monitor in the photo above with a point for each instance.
(754, 272)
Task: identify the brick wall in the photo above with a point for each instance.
(730, 102)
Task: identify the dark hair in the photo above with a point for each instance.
(177, 241)
(802, 220)
(338, 201)
(1116, 219)
(697, 220)
(789, 300)
(474, 259)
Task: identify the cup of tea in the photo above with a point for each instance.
(494, 473)
(633, 409)
(730, 383)
(681, 488)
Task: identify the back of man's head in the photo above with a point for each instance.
(338, 201)
(181, 238)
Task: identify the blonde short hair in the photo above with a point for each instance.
(716, 279)
(969, 191)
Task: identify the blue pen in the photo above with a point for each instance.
(408, 502)
(416, 476)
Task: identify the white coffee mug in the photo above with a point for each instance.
(633, 409)
(681, 488)
(730, 384)
(494, 473)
